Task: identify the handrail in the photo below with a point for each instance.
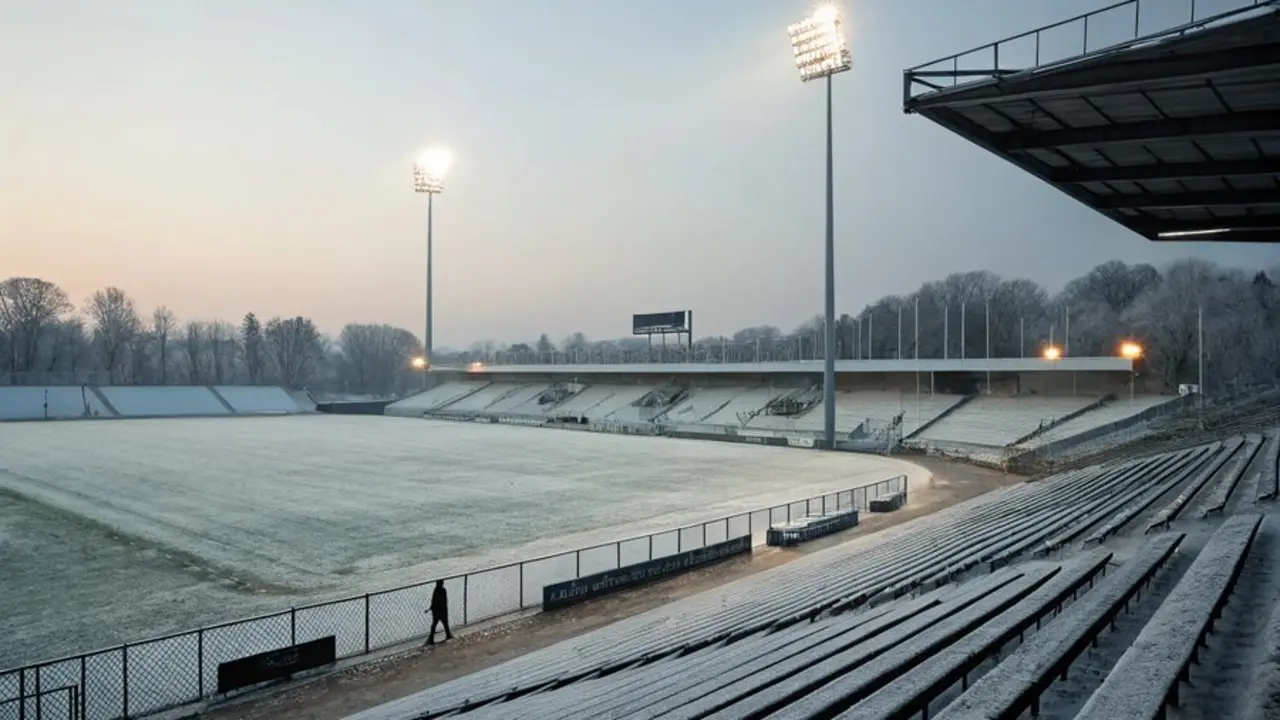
(914, 74)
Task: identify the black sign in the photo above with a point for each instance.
(593, 586)
(276, 664)
(887, 504)
(814, 528)
(667, 322)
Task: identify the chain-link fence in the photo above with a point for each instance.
(152, 675)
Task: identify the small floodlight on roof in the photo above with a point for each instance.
(819, 44)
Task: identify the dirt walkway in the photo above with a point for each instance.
(362, 686)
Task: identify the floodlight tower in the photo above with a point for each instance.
(428, 177)
(821, 51)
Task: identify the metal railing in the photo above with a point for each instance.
(1111, 29)
(56, 704)
(179, 669)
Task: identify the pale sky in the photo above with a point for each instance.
(613, 157)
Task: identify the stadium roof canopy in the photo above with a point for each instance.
(1174, 134)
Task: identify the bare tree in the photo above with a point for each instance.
(163, 323)
(222, 349)
(194, 349)
(115, 323)
(28, 307)
(375, 358)
(295, 348)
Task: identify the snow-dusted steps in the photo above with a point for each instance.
(1015, 685)
(1147, 676)
(831, 630)
(435, 398)
(255, 400)
(1222, 453)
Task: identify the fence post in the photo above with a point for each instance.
(366, 623)
(704, 534)
(293, 626)
(124, 679)
(466, 581)
(200, 662)
(577, 568)
(521, 581)
(618, 546)
(84, 691)
(650, 546)
(22, 694)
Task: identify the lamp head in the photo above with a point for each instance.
(429, 169)
(819, 44)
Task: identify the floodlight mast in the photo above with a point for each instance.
(821, 51)
(428, 177)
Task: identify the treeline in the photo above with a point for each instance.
(46, 339)
(1092, 315)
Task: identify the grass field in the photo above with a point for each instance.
(114, 531)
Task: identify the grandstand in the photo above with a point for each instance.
(976, 612)
(986, 411)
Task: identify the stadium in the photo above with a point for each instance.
(990, 537)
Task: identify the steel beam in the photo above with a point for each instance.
(1172, 171)
(1243, 123)
(1225, 198)
(1243, 223)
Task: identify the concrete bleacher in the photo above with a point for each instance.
(702, 404)
(265, 400)
(522, 400)
(1110, 412)
(747, 404)
(303, 400)
(880, 628)
(855, 408)
(68, 402)
(999, 421)
(481, 399)
(621, 404)
(51, 403)
(434, 398)
(178, 401)
(955, 424)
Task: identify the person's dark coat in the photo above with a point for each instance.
(440, 601)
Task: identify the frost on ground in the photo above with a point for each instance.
(152, 526)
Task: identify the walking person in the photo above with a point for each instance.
(439, 612)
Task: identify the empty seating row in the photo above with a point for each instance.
(1147, 675)
(999, 421)
(840, 579)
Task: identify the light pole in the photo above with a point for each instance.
(1132, 351)
(428, 177)
(821, 51)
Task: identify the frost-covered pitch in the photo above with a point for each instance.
(115, 531)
